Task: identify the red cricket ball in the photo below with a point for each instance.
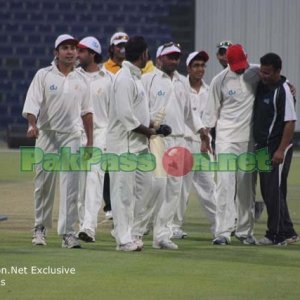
(177, 161)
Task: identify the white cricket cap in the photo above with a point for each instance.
(63, 38)
(118, 38)
(201, 54)
(173, 48)
(91, 43)
(159, 50)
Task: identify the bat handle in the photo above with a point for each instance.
(159, 117)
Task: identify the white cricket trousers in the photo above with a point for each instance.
(82, 187)
(44, 182)
(91, 186)
(130, 191)
(149, 199)
(205, 187)
(163, 222)
(234, 186)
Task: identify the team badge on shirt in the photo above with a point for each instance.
(53, 87)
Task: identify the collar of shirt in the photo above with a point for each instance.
(134, 70)
(99, 72)
(176, 75)
(56, 70)
(149, 67)
(111, 66)
(204, 86)
(232, 74)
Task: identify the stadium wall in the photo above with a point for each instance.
(260, 26)
(28, 29)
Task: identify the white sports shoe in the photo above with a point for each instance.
(70, 241)
(178, 234)
(112, 233)
(128, 247)
(266, 242)
(138, 241)
(39, 236)
(164, 244)
(249, 240)
(293, 239)
(221, 240)
(108, 215)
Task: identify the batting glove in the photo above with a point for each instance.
(164, 129)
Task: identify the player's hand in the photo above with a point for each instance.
(164, 129)
(32, 132)
(292, 88)
(88, 153)
(205, 140)
(278, 157)
(150, 132)
(205, 145)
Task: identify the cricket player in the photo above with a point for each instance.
(111, 67)
(116, 52)
(274, 125)
(203, 182)
(222, 58)
(167, 91)
(221, 53)
(56, 104)
(89, 55)
(230, 109)
(128, 133)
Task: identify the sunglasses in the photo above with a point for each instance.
(121, 37)
(167, 45)
(175, 56)
(224, 44)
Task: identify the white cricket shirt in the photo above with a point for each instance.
(230, 105)
(128, 110)
(58, 101)
(162, 91)
(100, 89)
(198, 103)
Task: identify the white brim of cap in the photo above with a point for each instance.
(169, 50)
(117, 42)
(194, 54)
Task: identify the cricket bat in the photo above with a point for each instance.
(157, 145)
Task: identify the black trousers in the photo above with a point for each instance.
(106, 193)
(274, 192)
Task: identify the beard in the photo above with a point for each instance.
(82, 64)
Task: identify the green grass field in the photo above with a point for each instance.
(198, 270)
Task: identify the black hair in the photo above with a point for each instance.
(271, 59)
(111, 51)
(134, 48)
(97, 57)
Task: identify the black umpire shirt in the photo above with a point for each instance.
(272, 108)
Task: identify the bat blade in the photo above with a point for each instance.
(157, 148)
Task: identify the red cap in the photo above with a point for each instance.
(237, 58)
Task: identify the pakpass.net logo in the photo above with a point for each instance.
(176, 161)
